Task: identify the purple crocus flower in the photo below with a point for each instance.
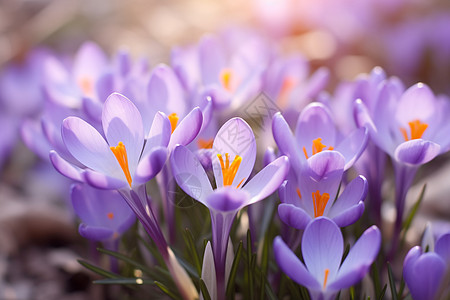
(218, 67)
(68, 86)
(235, 149)
(322, 248)
(318, 186)
(316, 132)
(104, 214)
(412, 127)
(122, 160)
(424, 272)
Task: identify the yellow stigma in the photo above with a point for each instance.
(327, 271)
(86, 85)
(110, 215)
(121, 155)
(229, 171)
(205, 144)
(417, 129)
(226, 76)
(320, 202)
(317, 147)
(173, 118)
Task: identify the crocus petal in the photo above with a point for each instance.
(416, 103)
(122, 122)
(150, 165)
(353, 146)
(292, 266)
(322, 248)
(95, 233)
(102, 181)
(164, 91)
(212, 59)
(209, 272)
(285, 140)
(349, 216)
(354, 192)
(325, 164)
(315, 122)
(288, 193)
(235, 137)
(416, 152)
(187, 130)
(424, 275)
(293, 216)
(159, 134)
(268, 179)
(189, 174)
(86, 144)
(65, 168)
(359, 259)
(89, 62)
(442, 247)
(227, 199)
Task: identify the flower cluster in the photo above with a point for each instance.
(137, 140)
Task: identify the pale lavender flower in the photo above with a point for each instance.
(322, 248)
(424, 272)
(235, 149)
(317, 189)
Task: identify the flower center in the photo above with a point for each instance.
(86, 85)
(417, 129)
(226, 78)
(327, 271)
(205, 144)
(317, 147)
(120, 152)
(320, 202)
(173, 118)
(229, 171)
(110, 215)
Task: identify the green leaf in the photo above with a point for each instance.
(132, 281)
(98, 270)
(383, 291)
(204, 289)
(352, 293)
(250, 272)
(233, 271)
(127, 260)
(402, 287)
(392, 282)
(412, 214)
(192, 250)
(165, 290)
(376, 280)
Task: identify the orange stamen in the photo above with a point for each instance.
(173, 118)
(110, 216)
(229, 171)
(298, 193)
(120, 152)
(286, 87)
(327, 271)
(317, 147)
(205, 144)
(320, 202)
(226, 76)
(86, 85)
(417, 129)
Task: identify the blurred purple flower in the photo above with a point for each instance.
(424, 273)
(318, 186)
(234, 140)
(322, 248)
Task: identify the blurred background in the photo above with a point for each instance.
(39, 242)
